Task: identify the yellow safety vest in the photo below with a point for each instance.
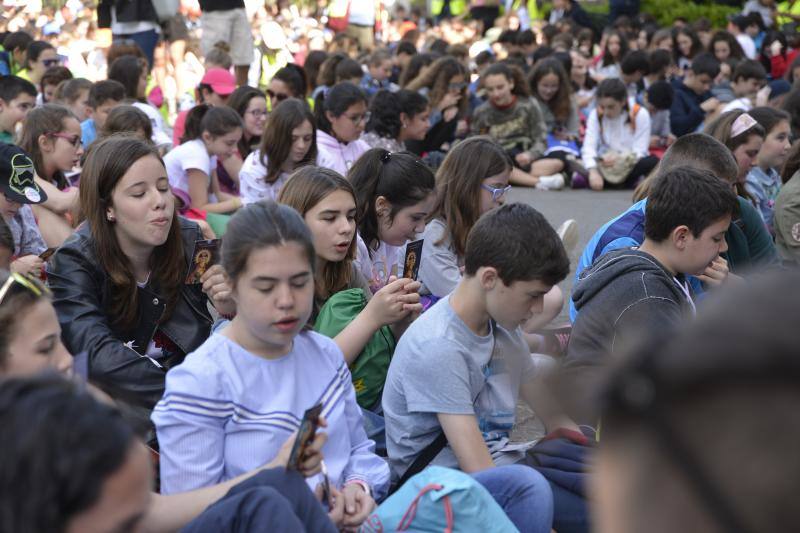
(788, 7)
(457, 7)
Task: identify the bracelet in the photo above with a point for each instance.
(364, 485)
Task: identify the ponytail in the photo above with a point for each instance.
(217, 121)
(192, 127)
(400, 177)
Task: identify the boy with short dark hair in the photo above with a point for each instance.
(633, 68)
(16, 46)
(458, 368)
(693, 95)
(747, 79)
(379, 70)
(658, 100)
(402, 57)
(636, 292)
(17, 97)
(749, 244)
(659, 63)
(103, 97)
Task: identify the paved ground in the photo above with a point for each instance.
(591, 210)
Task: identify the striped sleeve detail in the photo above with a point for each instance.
(335, 390)
(226, 410)
(239, 414)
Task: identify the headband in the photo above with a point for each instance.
(742, 123)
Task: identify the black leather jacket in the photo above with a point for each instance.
(81, 295)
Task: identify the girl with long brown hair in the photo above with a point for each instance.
(445, 85)
(327, 202)
(473, 179)
(289, 142)
(118, 281)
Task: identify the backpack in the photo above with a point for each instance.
(370, 368)
(439, 500)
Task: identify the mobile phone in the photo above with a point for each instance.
(44, 256)
(412, 260)
(308, 428)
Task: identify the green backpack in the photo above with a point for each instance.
(370, 368)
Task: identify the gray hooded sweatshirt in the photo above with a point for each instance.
(625, 295)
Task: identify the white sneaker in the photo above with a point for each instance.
(568, 232)
(553, 182)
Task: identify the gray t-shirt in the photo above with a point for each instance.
(439, 269)
(441, 366)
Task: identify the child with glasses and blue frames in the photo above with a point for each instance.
(473, 179)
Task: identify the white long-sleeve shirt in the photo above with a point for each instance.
(617, 134)
(226, 411)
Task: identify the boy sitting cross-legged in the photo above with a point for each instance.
(459, 368)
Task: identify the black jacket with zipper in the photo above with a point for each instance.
(117, 363)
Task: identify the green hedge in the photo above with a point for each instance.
(666, 11)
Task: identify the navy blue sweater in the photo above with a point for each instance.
(686, 115)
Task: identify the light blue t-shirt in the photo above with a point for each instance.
(441, 366)
(88, 132)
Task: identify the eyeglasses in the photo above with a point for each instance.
(28, 282)
(74, 140)
(280, 97)
(456, 86)
(357, 119)
(51, 62)
(257, 113)
(497, 192)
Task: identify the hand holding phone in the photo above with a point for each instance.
(305, 435)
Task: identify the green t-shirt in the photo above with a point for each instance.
(6, 137)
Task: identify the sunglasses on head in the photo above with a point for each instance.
(280, 97)
(27, 282)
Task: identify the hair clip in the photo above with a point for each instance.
(742, 123)
(386, 157)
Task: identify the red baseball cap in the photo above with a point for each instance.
(221, 81)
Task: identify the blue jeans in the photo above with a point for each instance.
(147, 41)
(523, 493)
(275, 499)
(375, 427)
